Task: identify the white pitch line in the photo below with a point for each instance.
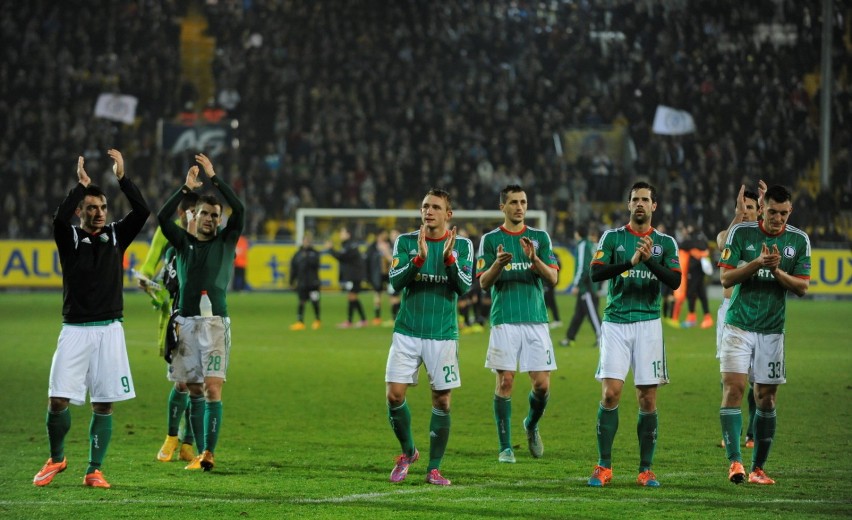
(608, 496)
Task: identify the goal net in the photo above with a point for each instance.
(363, 224)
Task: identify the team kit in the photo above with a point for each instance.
(431, 268)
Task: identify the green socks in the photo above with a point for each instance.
(503, 418)
(607, 426)
(58, 424)
(178, 402)
(212, 424)
(752, 407)
(537, 406)
(732, 427)
(764, 433)
(439, 434)
(646, 430)
(100, 433)
(196, 420)
(187, 437)
(400, 422)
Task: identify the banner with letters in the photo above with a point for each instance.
(214, 139)
(34, 264)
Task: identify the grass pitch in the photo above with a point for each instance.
(305, 431)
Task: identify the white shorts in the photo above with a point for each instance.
(439, 356)
(759, 355)
(720, 323)
(93, 359)
(203, 350)
(636, 346)
(524, 347)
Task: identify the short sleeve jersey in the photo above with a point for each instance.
(759, 304)
(430, 293)
(634, 295)
(518, 294)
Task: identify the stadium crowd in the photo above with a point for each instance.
(370, 103)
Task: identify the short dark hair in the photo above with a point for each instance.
(444, 194)
(92, 190)
(511, 188)
(751, 195)
(189, 201)
(778, 193)
(642, 185)
(208, 199)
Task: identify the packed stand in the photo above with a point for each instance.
(359, 105)
(365, 104)
(58, 57)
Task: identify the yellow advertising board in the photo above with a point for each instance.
(831, 272)
(34, 264)
(269, 267)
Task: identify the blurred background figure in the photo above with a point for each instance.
(304, 279)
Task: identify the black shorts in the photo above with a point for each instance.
(305, 292)
(380, 283)
(353, 286)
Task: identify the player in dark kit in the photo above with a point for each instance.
(304, 278)
(91, 354)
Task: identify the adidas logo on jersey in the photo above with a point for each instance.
(86, 240)
(619, 249)
(750, 247)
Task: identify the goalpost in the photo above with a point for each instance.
(321, 220)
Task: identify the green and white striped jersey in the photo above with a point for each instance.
(634, 295)
(518, 294)
(430, 293)
(759, 304)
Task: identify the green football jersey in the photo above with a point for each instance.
(430, 293)
(634, 295)
(204, 265)
(518, 294)
(759, 304)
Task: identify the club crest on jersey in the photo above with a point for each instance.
(726, 253)
(535, 244)
(789, 252)
(656, 250)
(103, 237)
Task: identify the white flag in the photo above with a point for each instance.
(668, 121)
(116, 107)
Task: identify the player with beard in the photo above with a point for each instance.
(637, 259)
